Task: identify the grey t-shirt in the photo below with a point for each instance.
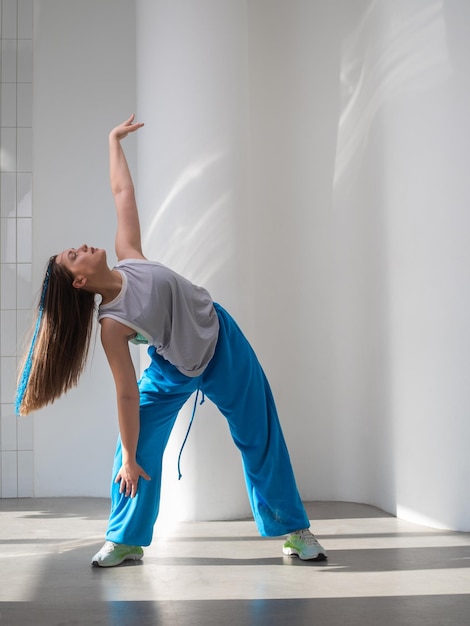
(172, 313)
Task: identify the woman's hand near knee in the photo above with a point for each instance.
(128, 476)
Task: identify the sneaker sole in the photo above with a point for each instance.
(320, 557)
(128, 557)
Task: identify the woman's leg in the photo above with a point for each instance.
(235, 382)
(163, 391)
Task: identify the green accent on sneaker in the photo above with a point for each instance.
(112, 554)
(304, 545)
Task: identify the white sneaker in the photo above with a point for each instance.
(112, 554)
(304, 545)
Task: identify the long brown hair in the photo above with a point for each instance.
(62, 339)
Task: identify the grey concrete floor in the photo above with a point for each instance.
(381, 571)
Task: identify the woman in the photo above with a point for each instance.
(194, 346)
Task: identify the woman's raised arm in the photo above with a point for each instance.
(128, 239)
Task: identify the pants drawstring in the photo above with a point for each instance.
(189, 428)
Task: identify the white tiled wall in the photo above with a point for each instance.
(16, 434)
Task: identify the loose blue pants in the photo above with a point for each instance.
(235, 382)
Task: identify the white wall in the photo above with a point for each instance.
(401, 259)
(294, 56)
(336, 93)
(321, 304)
(428, 221)
(193, 180)
(306, 162)
(84, 83)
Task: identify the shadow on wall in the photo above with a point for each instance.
(199, 244)
(396, 49)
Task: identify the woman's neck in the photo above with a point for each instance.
(110, 288)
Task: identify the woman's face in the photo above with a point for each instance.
(82, 261)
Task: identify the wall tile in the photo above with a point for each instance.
(25, 474)
(8, 368)
(9, 474)
(24, 104)
(25, 19)
(24, 432)
(8, 333)
(9, 48)
(8, 286)
(24, 330)
(24, 286)
(8, 199)
(8, 149)
(24, 240)
(8, 240)
(8, 437)
(24, 194)
(24, 157)
(8, 104)
(9, 19)
(25, 61)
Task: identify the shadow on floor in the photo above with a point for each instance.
(222, 573)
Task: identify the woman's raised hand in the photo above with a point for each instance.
(121, 131)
